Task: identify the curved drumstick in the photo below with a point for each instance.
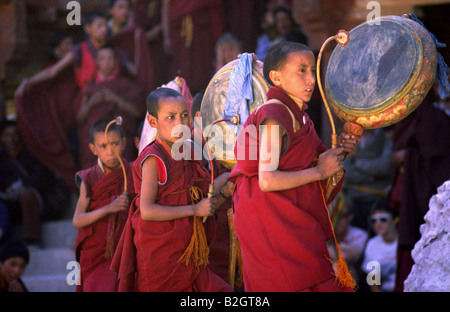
(234, 120)
(118, 121)
(342, 38)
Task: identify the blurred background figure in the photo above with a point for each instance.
(269, 37)
(228, 48)
(14, 257)
(382, 248)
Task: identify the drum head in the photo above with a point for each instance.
(222, 136)
(375, 70)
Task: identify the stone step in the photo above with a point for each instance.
(48, 283)
(49, 261)
(47, 270)
(58, 234)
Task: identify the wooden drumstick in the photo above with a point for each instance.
(342, 38)
(210, 195)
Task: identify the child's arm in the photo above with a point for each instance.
(150, 211)
(329, 163)
(220, 182)
(83, 218)
(46, 74)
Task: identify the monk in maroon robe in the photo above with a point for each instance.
(101, 212)
(48, 102)
(107, 96)
(191, 29)
(163, 247)
(281, 214)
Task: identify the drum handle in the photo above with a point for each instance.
(342, 38)
(235, 120)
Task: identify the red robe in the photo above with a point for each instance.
(130, 91)
(220, 246)
(45, 116)
(282, 234)
(194, 44)
(91, 242)
(129, 40)
(150, 250)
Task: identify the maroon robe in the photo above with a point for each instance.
(424, 136)
(126, 89)
(220, 246)
(91, 242)
(129, 40)
(45, 116)
(282, 234)
(193, 59)
(150, 250)
(148, 15)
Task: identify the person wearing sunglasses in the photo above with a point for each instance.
(380, 254)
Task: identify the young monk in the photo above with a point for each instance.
(281, 217)
(165, 230)
(81, 55)
(107, 96)
(101, 209)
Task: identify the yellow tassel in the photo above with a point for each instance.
(187, 30)
(198, 249)
(240, 276)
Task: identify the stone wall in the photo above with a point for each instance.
(431, 269)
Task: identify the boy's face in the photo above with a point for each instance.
(103, 150)
(106, 61)
(283, 23)
(10, 139)
(12, 268)
(120, 12)
(382, 222)
(298, 76)
(97, 30)
(172, 115)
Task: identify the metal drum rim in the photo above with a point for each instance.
(400, 94)
(256, 76)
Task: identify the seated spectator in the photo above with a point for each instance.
(287, 27)
(107, 96)
(228, 48)
(14, 257)
(351, 239)
(382, 248)
(269, 37)
(29, 189)
(368, 174)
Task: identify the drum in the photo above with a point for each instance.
(383, 73)
(221, 137)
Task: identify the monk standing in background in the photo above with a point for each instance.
(191, 29)
(108, 95)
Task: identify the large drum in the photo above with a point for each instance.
(221, 137)
(383, 73)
